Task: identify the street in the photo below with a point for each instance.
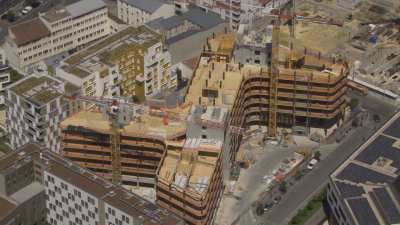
(302, 191)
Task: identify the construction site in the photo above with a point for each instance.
(181, 153)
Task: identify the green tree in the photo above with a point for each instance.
(283, 187)
(11, 17)
(317, 155)
(354, 102)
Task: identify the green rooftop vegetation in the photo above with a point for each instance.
(28, 84)
(4, 148)
(15, 76)
(130, 31)
(75, 71)
(70, 88)
(45, 96)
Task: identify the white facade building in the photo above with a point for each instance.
(4, 81)
(34, 109)
(56, 31)
(139, 12)
(78, 197)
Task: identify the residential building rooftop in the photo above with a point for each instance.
(369, 181)
(29, 31)
(73, 10)
(40, 90)
(149, 6)
(99, 56)
(6, 207)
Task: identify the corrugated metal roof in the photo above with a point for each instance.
(149, 6)
(85, 6)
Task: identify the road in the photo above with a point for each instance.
(306, 188)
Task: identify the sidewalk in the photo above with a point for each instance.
(317, 219)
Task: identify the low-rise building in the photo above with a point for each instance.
(34, 107)
(139, 12)
(56, 31)
(133, 60)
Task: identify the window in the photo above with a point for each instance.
(257, 61)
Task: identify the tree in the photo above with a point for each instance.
(354, 103)
(283, 187)
(11, 17)
(317, 155)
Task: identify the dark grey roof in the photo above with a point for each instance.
(85, 6)
(362, 211)
(166, 24)
(349, 190)
(386, 205)
(380, 147)
(181, 36)
(394, 129)
(205, 20)
(359, 174)
(149, 6)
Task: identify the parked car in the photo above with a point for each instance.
(268, 205)
(312, 164)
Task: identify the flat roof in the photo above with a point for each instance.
(148, 126)
(99, 56)
(6, 207)
(40, 90)
(149, 6)
(27, 192)
(366, 181)
(29, 31)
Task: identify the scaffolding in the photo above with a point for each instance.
(274, 76)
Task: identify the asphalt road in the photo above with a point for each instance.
(308, 186)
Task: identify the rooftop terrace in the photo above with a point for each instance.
(40, 90)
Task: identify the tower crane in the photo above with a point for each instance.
(114, 109)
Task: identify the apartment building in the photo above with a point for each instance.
(69, 194)
(134, 58)
(365, 188)
(139, 12)
(59, 30)
(20, 189)
(5, 79)
(34, 107)
(238, 12)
